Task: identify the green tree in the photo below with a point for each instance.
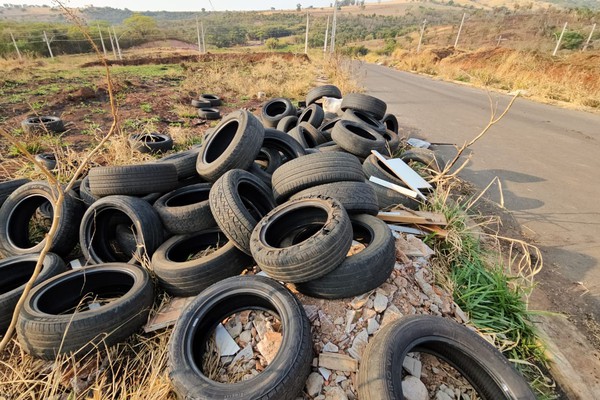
(272, 43)
(572, 40)
(139, 26)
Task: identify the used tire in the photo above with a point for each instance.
(48, 160)
(313, 170)
(132, 180)
(186, 210)
(97, 234)
(181, 274)
(302, 240)
(372, 166)
(360, 272)
(358, 138)
(365, 103)
(43, 124)
(184, 162)
(487, 370)
(18, 211)
(201, 103)
(238, 200)
(364, 118)
(15, 272)
(85, 193)
(209, 113)
(215, 101)
(48, 326)
(267, 161)
(150, 142)
(287, 123)
(356, 197)
(7, 187)
(388, 198)
(393, 141)
(391, 123)
(317, 93)
(426, 157)
(307, 135)
(313, 115)
(275, 110)
(234, 144)
(286, 375)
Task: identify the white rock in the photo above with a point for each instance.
(246, 336)
(372, 326)
(412, 366)
(414, 389)
(391, 314)
(246, 353)
(314, 384)
(380, 303)
(441, 395)
(350, 314)
(325, 373)
(331, 348)
(336, 393)
(460, 313)
(359, 344)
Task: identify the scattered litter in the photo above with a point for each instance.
(224, 341)
(421, 144)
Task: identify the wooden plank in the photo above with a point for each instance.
(402, 190)
(405, 173)
(435, 229)
(413, 217)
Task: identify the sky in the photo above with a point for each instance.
(156, 5)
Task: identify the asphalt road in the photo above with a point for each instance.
(547, 159)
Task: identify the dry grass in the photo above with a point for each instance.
(574, 78)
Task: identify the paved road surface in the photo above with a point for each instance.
(547, 158)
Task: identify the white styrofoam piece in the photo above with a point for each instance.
(393, 186)
(404, 172)
(225, 343)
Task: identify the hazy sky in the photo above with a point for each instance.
(219, 5)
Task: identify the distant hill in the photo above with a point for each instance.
(22, 13)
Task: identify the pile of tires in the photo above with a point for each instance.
(207, 105)
(287, 191)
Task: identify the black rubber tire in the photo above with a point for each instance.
(214, 100)
(307, 135)
(201, 103)
(181, 276)
(313, 115)
(364, 118)
(275, 110)
(132, 180)
(313, 170)
(365, 103)
(286, 375)
(358, 138)
(234, 144)
(18, 210)
(150, 142)
(125, 238)
(317, 93)
(209, 113)
(186, 210)
(372, 166)
(7, 187)
(393, 141)
(487, 370)
(266, 163)
(15, 272)
(424, 156)
(47, 328)
(356, 197)
(48, 160)
(287, 123)
(85, 194)
(284, 144)
(238, 200)
(363, 271)
(388, 198)
(43, 124)
(327, 126)
(184, 162)
(391, 123)
(329, 146)
(97, 233)
(302, 240)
